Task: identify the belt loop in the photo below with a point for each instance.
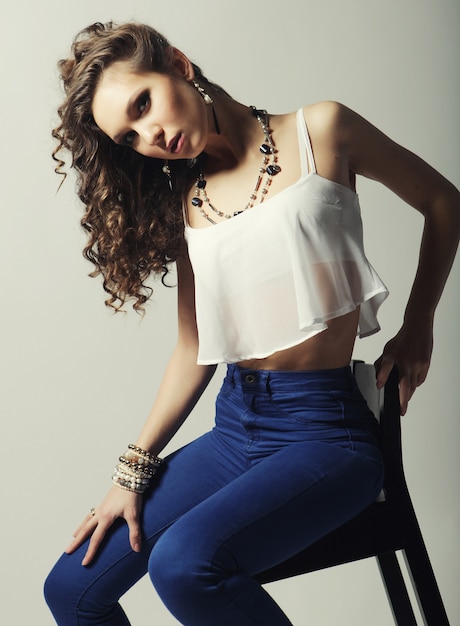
(267, 386)
(352, 378)
(231, 372)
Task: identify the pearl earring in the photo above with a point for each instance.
(207, 98)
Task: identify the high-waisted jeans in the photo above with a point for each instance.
(292, 456)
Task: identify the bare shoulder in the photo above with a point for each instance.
(325, 120)
(336, 127)
(331, 121)
(337, 130)
(324, 112)
(327, 127)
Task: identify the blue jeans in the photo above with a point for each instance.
(292, 456)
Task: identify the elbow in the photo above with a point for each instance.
(452, 204)
(445, 212)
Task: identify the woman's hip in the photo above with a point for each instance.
(268, 407)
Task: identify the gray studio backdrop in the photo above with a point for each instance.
(77, 381)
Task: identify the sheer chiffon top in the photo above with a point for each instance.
(272, 277)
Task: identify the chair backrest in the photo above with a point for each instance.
(365, 377)
(384, 404)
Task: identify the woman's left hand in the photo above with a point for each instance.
(410, 350)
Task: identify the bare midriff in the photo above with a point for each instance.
(329, 349)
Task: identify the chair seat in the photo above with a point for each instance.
(374, 531)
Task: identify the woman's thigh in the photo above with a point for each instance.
(203, 566)
(273, 510)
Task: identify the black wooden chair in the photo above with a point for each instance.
(387, 526)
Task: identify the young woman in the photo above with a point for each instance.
(261, 217)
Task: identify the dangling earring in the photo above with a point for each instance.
(166, 169)
(208, 100)
(206, 97)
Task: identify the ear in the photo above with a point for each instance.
(182, 65)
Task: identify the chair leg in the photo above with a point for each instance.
(425, 585)
(396, 590)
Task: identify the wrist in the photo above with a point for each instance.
(418, 317)
(135, 469)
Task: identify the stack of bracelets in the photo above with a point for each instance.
(135, 469)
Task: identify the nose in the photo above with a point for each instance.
(151, 134)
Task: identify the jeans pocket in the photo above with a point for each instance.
(312, 407)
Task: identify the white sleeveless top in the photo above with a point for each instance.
(271, 277)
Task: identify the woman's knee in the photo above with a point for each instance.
(56, 590)
(168, 564)
(72, 599)
(66, 592)
(179, 568)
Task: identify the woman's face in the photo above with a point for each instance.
(161, 116)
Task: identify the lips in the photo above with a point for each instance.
(176, 143)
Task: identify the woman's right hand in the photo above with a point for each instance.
(117, 503)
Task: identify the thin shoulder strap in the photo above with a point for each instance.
(307, 160)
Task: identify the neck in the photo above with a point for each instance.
(239, 135)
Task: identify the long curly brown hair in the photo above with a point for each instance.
(133, 219)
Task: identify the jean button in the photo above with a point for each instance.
(250, 379)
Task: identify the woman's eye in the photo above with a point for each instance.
(143, 102)
(129, 138)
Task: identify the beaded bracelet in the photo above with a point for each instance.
(129, 484)
(135, 469)
(146, 456)
(147, 470)
(130, 471)
(130, 481)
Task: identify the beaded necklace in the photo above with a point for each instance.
(267, 170)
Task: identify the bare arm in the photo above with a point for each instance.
(182, 385)
(184, 381)
(348, 145)
(374, 155)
